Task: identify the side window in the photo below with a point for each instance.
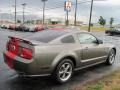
(68, 39)
(87, 39)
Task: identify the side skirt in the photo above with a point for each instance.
(89, 65)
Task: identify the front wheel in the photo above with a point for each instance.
(63, 71)
(111, 58)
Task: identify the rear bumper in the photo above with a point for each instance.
(10, 60)
(27, 69)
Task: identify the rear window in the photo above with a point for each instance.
(46, 35)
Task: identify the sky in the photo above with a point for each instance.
(105, 8)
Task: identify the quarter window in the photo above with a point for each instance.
(68, 39)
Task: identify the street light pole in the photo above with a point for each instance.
(90, 16)
(67, 22)
(24, 4)
(15, 13)
(75, 12)
(44, 11)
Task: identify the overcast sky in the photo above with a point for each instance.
(106, 8)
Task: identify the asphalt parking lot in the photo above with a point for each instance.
(10, 81)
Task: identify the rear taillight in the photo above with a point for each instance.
(26, 53)
(13, 46)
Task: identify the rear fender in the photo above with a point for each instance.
(63, 55)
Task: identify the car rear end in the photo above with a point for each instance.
(40, 28)
(32, 56)
(107, 31)
(19, 56)
(23, 27)
(12, 27)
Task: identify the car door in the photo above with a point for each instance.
(92, 51)
(117, 31)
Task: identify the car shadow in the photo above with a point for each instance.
(47, 83)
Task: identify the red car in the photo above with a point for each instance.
(40, 28)
(13, 27)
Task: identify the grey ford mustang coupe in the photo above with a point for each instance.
(56, 53)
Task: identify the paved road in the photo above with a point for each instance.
(10, 81)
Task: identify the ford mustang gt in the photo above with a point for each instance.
(56, 53)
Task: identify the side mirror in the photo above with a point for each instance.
(100, 41)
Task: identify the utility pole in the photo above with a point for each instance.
(67, 21)
(43, 11)
(0, 19)
(24, 4)
(15, 13)
(75, 13)
(90, 16)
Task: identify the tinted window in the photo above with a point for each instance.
(68, 39)
(47, 35)
(87, 39)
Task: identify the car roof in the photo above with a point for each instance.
(50, 35)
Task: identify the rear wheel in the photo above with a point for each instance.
(111, 34)
(63, 71)
(111, 58)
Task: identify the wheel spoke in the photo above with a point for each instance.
(63, 66)
(68, 72)
(63, 76)
(61, 72)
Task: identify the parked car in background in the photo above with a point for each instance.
(23, 27)
(4, 26)
(13, 27)
(56, 53)
(114, 31)
(40, 28)
(32, 28)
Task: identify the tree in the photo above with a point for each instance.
(111, 21)
(28, 21)
(32, 21)
(102, 21)
(18, 21)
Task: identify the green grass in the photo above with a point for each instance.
(98, 86)
(110, 82)
(94, 28)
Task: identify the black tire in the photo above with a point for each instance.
(56, 73)
(111, 34)
(111, 57)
